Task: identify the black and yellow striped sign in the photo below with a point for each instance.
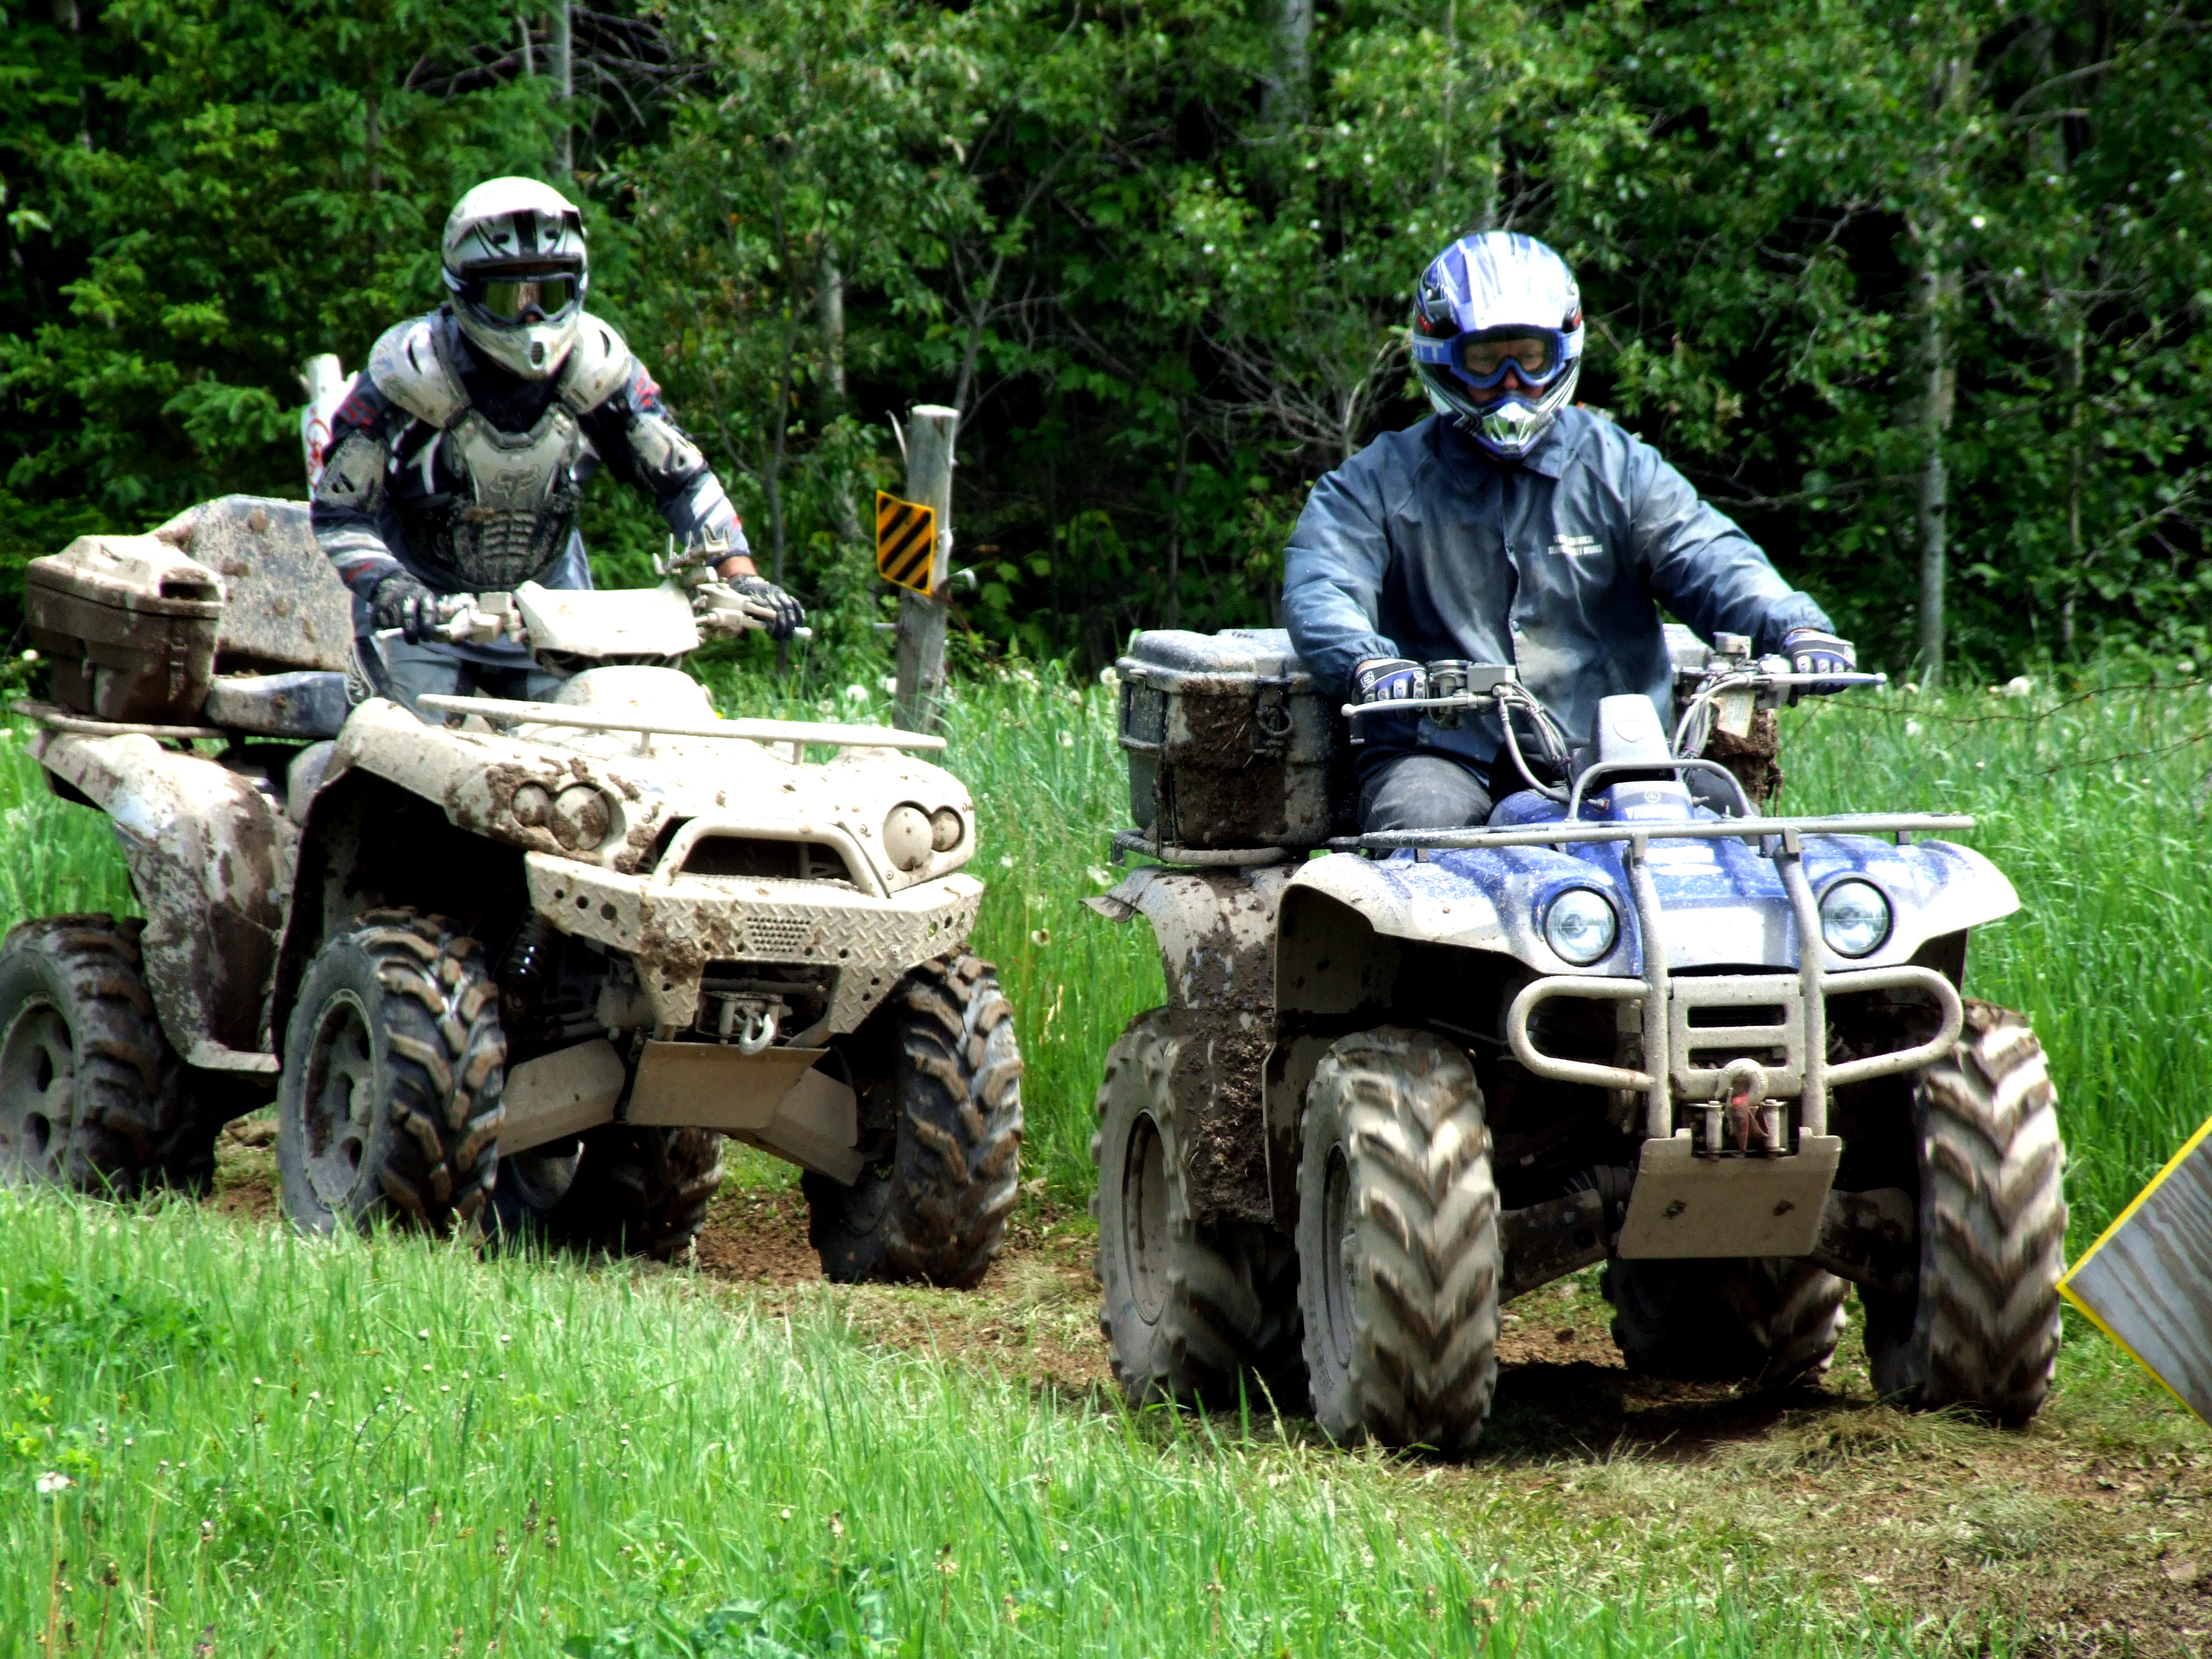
(906, 542)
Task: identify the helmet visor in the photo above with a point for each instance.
(524, 299)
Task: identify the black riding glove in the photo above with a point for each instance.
(400, 601)
(785, 615)
(1812, 651)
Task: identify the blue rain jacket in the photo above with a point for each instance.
(1422, 546)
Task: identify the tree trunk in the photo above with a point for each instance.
(830, 303)
(559, 48)
(1174, 608)
(1289, 89)
(2069, 388)
(1939, 289)
(529, 52)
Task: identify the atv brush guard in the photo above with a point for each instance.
(1670, 1040)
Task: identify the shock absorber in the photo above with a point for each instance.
(522, 976)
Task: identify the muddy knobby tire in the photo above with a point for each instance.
(1981, 1331)
(1191, 1314)
(391, 1096)
(1397, 1242)
(639, 1189)
(1769, 1322)
(89, 1087)
(937, 1212)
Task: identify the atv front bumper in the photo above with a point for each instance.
(1724, 1052)
(673, 928)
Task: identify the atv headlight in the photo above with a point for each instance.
(1854, 917)
(1580, 926)
(581, 817)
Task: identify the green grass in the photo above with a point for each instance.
(2095, 806)
(393, 1448)
(277, 1446)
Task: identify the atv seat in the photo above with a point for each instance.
(305, 704)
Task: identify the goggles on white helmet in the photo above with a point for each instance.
(1497, 338)
(514, 263)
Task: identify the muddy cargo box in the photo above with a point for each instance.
(130, 624)
(1231, 742)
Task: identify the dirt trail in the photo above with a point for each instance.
(2089, 1534)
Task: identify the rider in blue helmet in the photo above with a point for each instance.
(1513, 527)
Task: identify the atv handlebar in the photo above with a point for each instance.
(468, 621)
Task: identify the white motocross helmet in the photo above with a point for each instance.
(1498, 309)
(514, 254)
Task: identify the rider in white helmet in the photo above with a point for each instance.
(1514, 527)
(456, 466)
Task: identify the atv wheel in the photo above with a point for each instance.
(394, 1065)
(634, 1188)
(1397, 1238)
(88, 1086)
(937, 1212)
(1769, 1321)
(1188, 1311)
(529, 1188)
(1982, 1329)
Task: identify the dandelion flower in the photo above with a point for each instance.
(53, 1481)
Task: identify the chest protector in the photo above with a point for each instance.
(511, 506)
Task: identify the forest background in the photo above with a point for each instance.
(1919, 290)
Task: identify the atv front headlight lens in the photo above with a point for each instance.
(946, 829)
(1854, 917)
(1581, 926)
(906, 837)
(581, 817)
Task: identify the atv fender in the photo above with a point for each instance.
(210, 857)
(1215, 929)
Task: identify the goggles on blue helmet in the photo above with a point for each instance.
(1483, 356)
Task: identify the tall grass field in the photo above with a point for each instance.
(222, 1440)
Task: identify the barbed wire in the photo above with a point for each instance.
(1839, 710)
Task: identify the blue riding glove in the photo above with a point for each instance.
(1390, 679)
(1813, 650)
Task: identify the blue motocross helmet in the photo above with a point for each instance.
(1498, 309)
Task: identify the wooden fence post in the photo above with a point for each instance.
(930, 432)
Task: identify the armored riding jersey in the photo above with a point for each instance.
(468, 476)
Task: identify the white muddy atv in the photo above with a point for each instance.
(525, 969)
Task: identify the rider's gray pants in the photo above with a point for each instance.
(1423, 790)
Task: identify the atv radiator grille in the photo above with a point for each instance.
(775, 936)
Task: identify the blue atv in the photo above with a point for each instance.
(1402, 1079)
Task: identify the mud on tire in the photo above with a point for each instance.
(394, 1068)
(1770, 1321)
(1190, 1313)
(1397, 1238)
(1981, 1331)
(937, 1210)
(89, 1090)
(637, 1188)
